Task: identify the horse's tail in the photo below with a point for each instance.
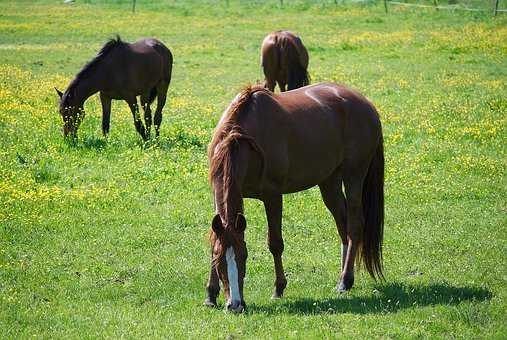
(169, 66)
(373, 209)
(298, 75)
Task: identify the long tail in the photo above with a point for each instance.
(298, 75)
(373, 209)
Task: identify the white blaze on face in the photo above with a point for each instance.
(232, 274)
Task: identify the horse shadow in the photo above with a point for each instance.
(180, 139)
(87, 143)
(385, 299)
(94, 143)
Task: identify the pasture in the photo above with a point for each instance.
(109, 238)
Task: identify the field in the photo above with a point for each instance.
(109, 238)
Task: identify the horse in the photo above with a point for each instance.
(123, 71)
(284, 59)
(266, 145)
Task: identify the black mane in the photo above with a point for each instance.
(104, 51)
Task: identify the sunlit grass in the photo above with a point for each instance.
(109, 238)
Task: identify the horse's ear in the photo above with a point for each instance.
(240, 223)
(59, 92)
(216, 225)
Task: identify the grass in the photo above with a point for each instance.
(109, 238)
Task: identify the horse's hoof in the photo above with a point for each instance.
(209, 303)
(276, 296)
(237, 308)
(341, 288)
(345, 285)
(278, 290)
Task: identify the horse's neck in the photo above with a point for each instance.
(228, 207)
(87, 87)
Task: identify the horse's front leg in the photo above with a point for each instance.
(212, 287)
(273, 206)
(106, 113)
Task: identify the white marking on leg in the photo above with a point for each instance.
(232, 274)
(345, 249)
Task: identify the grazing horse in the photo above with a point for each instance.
(284, 59)
(120, 71)
(267, 145)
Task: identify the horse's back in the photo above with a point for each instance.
(140, 66)
(309, 132)
(335, 100)
(353, 116)
(152, 48)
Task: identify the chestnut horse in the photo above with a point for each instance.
(120, 71)
(267, 145)
(284, 59)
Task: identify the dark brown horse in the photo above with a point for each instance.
(121, 71)
(284, 60)
(266, 145)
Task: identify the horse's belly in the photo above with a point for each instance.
(313, 154)
(310, 172)
(302, 166)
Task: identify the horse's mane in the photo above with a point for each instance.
(90, 66)
(222, 150)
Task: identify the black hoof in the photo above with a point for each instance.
(276, 296)
(345, 284)
(210, 303)
(278, 291)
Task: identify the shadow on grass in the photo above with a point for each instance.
(388, 298)
(94, 143)
(181, 138)
(87, 143)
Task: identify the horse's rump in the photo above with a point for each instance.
(285, 59)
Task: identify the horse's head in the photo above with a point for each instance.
(72, 112)
(229, 258)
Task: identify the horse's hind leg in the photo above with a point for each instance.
(145, 103)
(270, 84)
(332, 194)
(161, 98)
(137, 120)
(273, 206)
(353, 182)
(282, 86)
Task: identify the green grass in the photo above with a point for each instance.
(109, 239)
